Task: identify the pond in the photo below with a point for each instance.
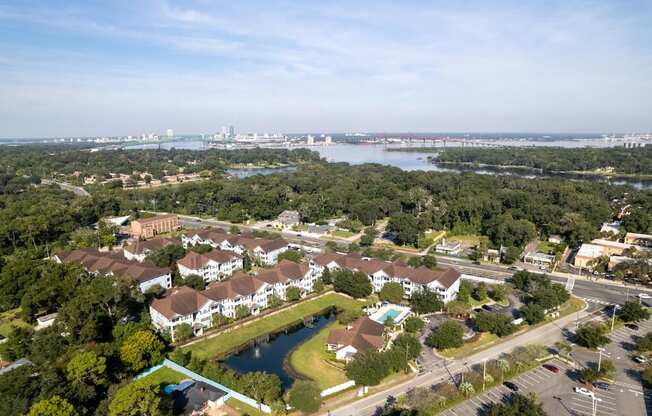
(269, 354)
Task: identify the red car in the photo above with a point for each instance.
(551, 368)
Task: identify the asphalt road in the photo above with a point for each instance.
(546, 334)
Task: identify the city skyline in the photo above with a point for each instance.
(75, 69)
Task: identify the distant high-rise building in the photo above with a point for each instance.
(311, 140)
(169, 133)
(328, 140)
(231, 131)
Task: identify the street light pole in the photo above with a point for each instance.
(484, 372)
(613, 317)
(599, 358)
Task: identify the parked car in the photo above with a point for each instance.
(601, 385)
(488, 308)
(510, 385)
(644, 296)
(583, 391)
(551, 367)
(633, 327)
(640, 359)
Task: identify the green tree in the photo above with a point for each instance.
(141, 349)
(480, 293)
(219, 320)
(262, 387)
(633, 311)
(464, 293)
(413, 324)
(54, 406)
(367, 368)
(305, 396)
(450, 334)
(274, 301)
(182, 332)
(85, 371)
(355, 284)
(499, 292)
(466, 389)
(141, 398)
(425, 301)
(495, 323)
(408, 343)
(392, 292)
(167, 256)
(293, 293)
(405, 228)
(195, 281)
(532, 313)
(242, 311)
(592, 335)
(644, 344)
(318, 286)
(292, 255)
(517, 405)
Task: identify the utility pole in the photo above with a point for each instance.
(599, 358)
(484, 372)
(613, 317)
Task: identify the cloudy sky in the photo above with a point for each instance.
(77, 68)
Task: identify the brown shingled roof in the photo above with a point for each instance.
(155, 244)
(240, 284)
(194, 260)
(284, 271)
(180, 301)
(96, 261)
(363, 334)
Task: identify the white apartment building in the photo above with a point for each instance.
(445, 282)
(211, 266)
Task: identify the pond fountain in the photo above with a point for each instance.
(269, 353)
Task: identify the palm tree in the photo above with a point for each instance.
(503, 364)
(466, 389)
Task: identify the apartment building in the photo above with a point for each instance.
(145, 228)
(264, 251)
(145, 274)
(214, 265)
(289, 274)
(139, 250)
(445, 282)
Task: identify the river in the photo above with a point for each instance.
(356, 154)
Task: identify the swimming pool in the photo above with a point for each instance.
(390, 314)
(396, 313)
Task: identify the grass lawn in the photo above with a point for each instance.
(487, 339)
(483, 341)
(466, 240)
(435, 235)
(226, 342)
(165, 376)
(546, 247)
(572, 305)
(244, 408)
(343, 233)
(313, 361)
(10, 318)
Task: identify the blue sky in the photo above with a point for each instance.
(126, 67)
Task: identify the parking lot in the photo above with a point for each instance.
(555, 390)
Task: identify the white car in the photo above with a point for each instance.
(640, 359)
(583, 391)
(644, 296)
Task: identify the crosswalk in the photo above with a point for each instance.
(597, 301)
